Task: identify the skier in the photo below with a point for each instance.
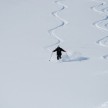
(59, 52)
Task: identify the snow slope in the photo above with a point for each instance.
(28, 79)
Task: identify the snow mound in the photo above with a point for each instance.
(73, 57)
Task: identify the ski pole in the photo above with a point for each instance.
(51, 56)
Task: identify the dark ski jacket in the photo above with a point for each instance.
(59, 51)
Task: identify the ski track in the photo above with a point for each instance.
(63, 22)
(65, 58)
(103, 42)
(102, 8)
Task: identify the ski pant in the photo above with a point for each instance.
(58, 57)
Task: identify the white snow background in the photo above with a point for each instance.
(28, 79)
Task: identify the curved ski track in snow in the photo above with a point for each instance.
(102, 24)
(69, 57)
(63, 22)
(103, 42)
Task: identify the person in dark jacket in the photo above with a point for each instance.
(59, 52)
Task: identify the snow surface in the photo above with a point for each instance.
(28, 79)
